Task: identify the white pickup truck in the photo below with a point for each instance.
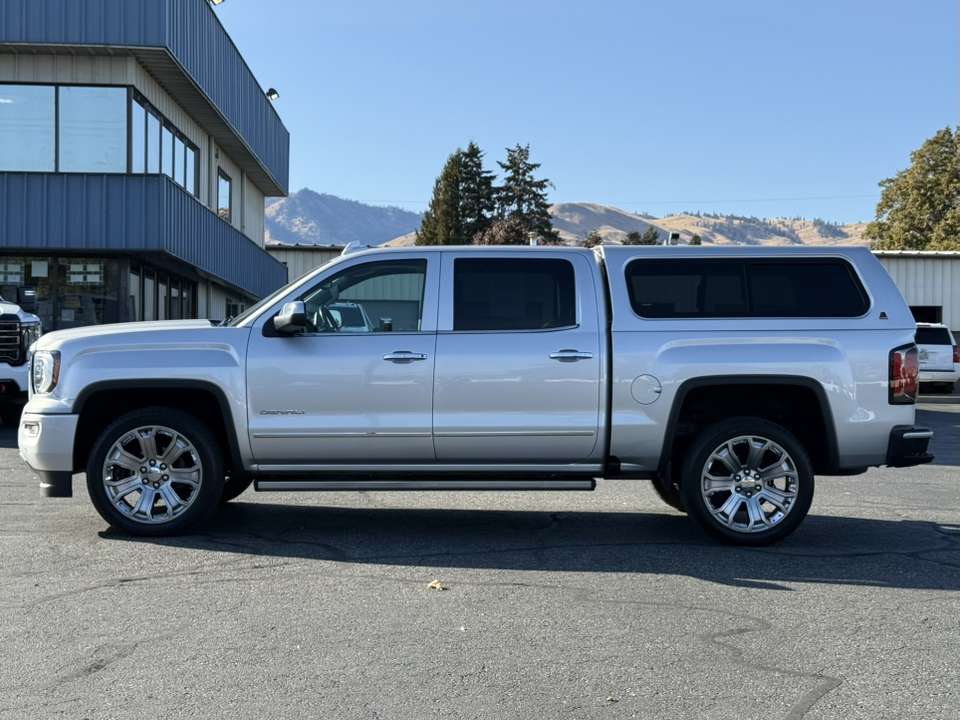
(18, 331)
(728, 377)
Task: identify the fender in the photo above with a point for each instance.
(830, 430)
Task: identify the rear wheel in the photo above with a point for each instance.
(747, 481)
(155, 471)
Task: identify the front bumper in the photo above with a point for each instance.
(46, 445)
(13, 384)
(908, 446)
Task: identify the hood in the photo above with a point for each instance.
(9, 308)
(133, 328)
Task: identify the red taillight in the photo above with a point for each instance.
(956, 354)
(904, 370)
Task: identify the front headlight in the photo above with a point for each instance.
(30, 333)
(45, 372)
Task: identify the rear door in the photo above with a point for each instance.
(519, 359)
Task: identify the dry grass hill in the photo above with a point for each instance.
(575, 220)
(310, 218)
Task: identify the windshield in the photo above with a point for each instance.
(274, 296)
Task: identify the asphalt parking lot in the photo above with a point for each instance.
(583, 605)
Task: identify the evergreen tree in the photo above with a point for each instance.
(477, 203)
(650, 237)
(591, 239)
(523, 199)
(919, 208)
(633, 238)
(503, 231)
(442, 223)
(695, 240)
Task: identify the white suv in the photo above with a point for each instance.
(939, 357)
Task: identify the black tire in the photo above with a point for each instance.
(234, 487)
(772, 495)
(669, 493)
(155, 498)
(10, 415)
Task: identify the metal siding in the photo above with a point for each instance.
(928, 281)
(129, 213)
(301, 261)
(190, 31)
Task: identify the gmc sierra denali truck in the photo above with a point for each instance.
(729, 377)
(18, 331)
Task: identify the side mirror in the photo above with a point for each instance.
(27, 298)
(292, 318)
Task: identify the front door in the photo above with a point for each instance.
(357, 387)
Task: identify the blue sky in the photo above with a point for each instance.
(755, 107)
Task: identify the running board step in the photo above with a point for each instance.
(334, 484)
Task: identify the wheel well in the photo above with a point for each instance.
(103, 407)
(795, 407)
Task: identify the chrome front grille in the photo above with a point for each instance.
(10, 351)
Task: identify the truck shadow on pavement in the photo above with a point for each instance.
(826, 550)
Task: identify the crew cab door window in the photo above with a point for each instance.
(521, 294)
(518, 367)
(371, 297)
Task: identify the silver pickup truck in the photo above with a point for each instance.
(729, 377)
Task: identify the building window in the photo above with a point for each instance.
(153, 142)
(81, 128)
(134, 293)
(92, 129)
(27, 122)
(224, 195)
(88, 292)
(234, 308)
(138, 138)
(165, 148)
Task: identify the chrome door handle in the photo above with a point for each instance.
(404, 356)
(570, 355)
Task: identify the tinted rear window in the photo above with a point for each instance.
(933, 336)
(513, 294)
(744, 288)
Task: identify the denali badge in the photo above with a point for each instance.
(283, 412)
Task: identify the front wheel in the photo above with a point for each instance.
(747, 481)
(155, 471)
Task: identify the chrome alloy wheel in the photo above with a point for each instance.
(749, 484)
(152, 474)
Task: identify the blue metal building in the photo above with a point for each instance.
(136, 150)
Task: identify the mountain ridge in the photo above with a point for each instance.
(310, 218)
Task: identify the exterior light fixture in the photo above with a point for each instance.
(271, 93)
(215, 2)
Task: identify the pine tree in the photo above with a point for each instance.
(632, 238)
(650, 237)
(591, 239)
(695, 240)
(442, 223)
(523, 199)
(477, 203)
